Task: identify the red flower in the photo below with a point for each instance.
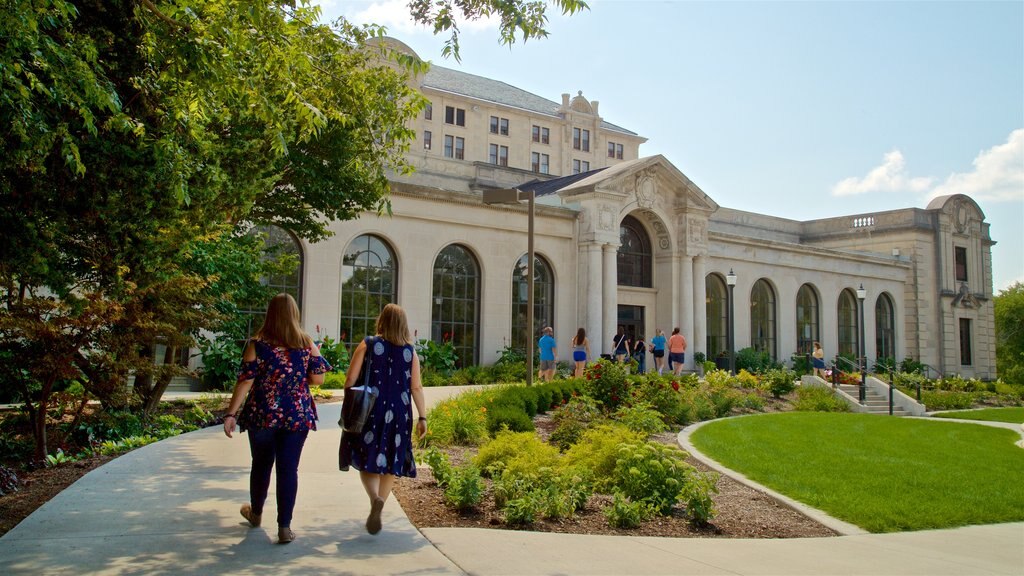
(675, 386)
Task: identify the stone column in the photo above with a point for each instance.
(700, 308)
(610, 288)
(686, 306)
(593, 296)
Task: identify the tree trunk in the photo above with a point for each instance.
(39, 425)
(162, 382)
(143, 385)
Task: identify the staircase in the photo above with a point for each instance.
(873, 401)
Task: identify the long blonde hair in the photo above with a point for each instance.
(281, 324)
(393, 326)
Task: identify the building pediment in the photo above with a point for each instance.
(651, 182)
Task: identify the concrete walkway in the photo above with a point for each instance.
(172, 508)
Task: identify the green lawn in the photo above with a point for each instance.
(881, 473)
(1012, 415)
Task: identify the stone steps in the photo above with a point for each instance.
(875, 403)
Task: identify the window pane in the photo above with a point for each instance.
(544, 135)
(611, 150)
(543, 299)
(536, 133)
(504, 127)
(455, 301)
(762, 318)
(544, 163)
(492, 153)
(586, 140)
(847, 317)
(459, 148)
(278, 245)
(503, 155)
(428, 112)
(960, 256)
(448, 146)
(717, 315)
(368, 282)
(460, 117)
(885, 329)
(634, 256)
(426, 139)
(576, 138)
(449, 114)
(494, 124)
(965, 342)
(535, 161)
(806, 319)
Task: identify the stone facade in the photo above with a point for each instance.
(930, 269)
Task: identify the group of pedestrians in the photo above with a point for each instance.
(273, 404)
(669, 353)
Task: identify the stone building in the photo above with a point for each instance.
(628, 240)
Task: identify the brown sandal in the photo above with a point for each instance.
(373, 524)
(254, 519)
(285, 535)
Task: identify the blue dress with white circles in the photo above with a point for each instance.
(385, 445)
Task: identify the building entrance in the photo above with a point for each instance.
(632, 317)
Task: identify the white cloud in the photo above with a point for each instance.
(890, 176)
(998, 174)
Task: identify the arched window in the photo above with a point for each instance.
(806, 319)
(762, 318)
(368, 282)
(846, 313)
(543, 299)
(456, 298)
(717, 312)
(885, 328)
(278, 245)
(634, 256)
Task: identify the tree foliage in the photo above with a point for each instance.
(1009, 313)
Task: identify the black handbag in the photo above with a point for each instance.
(359, 400)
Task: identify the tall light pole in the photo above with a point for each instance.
(730, 336)
(514, 196)
(862, 361)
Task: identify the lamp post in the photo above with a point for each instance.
(514, 196)
(862, 361)
(730, 279)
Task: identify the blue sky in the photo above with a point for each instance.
(796, 109)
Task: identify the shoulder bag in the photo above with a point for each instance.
(358, 402)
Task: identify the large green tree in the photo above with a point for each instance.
(1009, 312)
(143, 137)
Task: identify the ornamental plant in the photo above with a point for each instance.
(653, 473)
(572, 419)
(606, 383)
(465, 488)
(625, 513)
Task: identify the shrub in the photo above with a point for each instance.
(753, 361)
(220, 358)
(947, 399)
(571, 419)
(430, 378)
(641, 418)
(752, 402)
(524, 494)
(543, 395)
(436, 357)
(520, 396)
(336, 354)
(504, 416)
(464, 488)
(597, 452)
(817, 399)
(458, 421)
(319, 392)
(625, 513)
(662, 393)
(779, 381)
(652, 473)
(199, 416)
(910, 365)
(440, 467)
(334, 380)
(168, 425)
(523, 510)
(606, 383)
(516, 451)
(719, 378)
(696, 496)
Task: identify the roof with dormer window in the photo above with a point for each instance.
(473, 86)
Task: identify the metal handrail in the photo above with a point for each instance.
(929, 369)
(849, 363)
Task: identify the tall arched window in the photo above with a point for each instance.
(543, 299)
(278, 244)
(717, 315)
(762, 318)
(806, 319)
(885, 328)
(456, 298)
(368, 282)
(846, 312)
(634, 256)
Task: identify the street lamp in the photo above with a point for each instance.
(862, 361)
(730, 279)
(514, 196)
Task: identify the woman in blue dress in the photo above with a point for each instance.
(384, 448)
(278, 365)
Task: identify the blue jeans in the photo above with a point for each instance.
(267, 446)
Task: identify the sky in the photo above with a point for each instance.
(800, 110)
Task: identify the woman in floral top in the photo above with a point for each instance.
(278, 365)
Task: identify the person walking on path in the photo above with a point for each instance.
(620, 345)
(580, 351)
(278, 366)
(818, 361)
(658, 350)
(676, 351)
(548, 355)
(640, 354)
(384, 448)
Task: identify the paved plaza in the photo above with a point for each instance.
(172, 508)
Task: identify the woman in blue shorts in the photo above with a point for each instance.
(580, 351)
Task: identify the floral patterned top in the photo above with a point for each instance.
(280, 396)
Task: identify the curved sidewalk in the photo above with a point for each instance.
(172, 508)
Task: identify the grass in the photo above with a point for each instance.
(883, 474)
(1012, 415)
